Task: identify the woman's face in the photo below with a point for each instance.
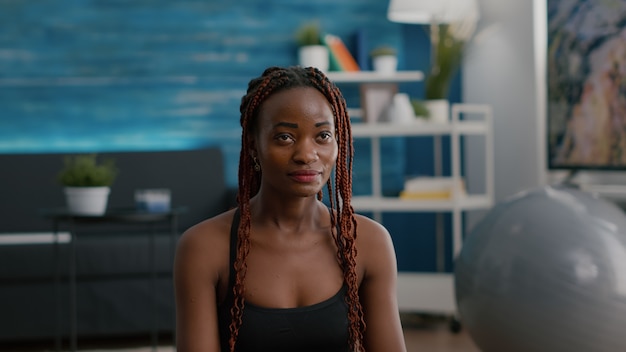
(295, 142)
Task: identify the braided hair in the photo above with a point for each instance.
(273, 80)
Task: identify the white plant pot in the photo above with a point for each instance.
(386, 64)
(439, 110)
(87, 200)
(314, 56)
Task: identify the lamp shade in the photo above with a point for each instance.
(428, 11)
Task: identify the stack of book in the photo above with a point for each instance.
(340, 57)
(431, 188)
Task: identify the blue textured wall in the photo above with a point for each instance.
(149, 74)
(96, 75)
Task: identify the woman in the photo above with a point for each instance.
(284, 271)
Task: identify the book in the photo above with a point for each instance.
(361, 49)
(340, 57)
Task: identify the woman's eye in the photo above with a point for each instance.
(326, 135)
(283, 137)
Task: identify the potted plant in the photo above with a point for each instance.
(419, 109)
(384, 59)
(311, 51)
(87, 183)
(446, 61)
(448, 46)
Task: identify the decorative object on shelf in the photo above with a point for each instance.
(451, 24)
(340, 57)
(376, 98)
(438, 110)
(312, 52)
(376, 90)
(447, 58)
(419, 109)
(87, 183)
(384, 59)
(423, 187)
(434, 110)
(155, 200)
(399, 110)
(361, 49)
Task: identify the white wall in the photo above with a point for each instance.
(501, 70)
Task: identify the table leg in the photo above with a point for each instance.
(73, 294)
(173, 241)
(154, 333)
(57, 287)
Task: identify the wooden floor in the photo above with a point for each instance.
(433, 335)
(422, 334)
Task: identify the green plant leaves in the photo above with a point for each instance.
(447, 58)
(83, 170)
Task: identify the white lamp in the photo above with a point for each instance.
(462, 13)
(431, 11)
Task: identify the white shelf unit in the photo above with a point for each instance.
(426, 292)
(459, 201)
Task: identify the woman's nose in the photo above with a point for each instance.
(306, 152)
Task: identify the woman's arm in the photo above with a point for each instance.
(196, 277)
(378, 288)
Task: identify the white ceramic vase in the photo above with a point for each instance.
(399, 110)
(87, 200)
(314, 56)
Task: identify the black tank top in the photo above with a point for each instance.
(318, 327)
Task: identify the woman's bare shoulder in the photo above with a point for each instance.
(374, 242)
(370, 229)
(216, 225)
(209, 236)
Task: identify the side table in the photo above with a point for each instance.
(61, 216)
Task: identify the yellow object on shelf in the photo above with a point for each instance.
(426, 195)
(430, 188)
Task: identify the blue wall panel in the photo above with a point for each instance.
(96, 75)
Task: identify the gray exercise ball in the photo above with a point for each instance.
(545, 271)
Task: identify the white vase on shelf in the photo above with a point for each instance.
(399, 111)
(438, 110)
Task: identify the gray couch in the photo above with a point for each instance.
(114, 287)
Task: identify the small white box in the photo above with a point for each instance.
(153, 200)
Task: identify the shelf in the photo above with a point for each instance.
(393, 204)
(355, 113)
(419, 128)
(375, 77)
(420, 292)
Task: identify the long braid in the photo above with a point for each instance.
(343, 195)
(275, 79)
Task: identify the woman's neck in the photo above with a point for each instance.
(289, 214)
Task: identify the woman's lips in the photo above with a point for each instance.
(305, 176)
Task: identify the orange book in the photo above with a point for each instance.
(338, 49)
